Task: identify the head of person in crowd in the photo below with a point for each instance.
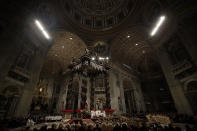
(35, 129)
(60, 126)
(54, 126)
(43, 128)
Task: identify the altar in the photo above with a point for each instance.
(88, 90)
(97, 113)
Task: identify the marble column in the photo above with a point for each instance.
(92, 93)
(50, 94)
(134, 106)
(107, 91)
(181, 103)
(79, 96)
(130, 102)
(114, 91)
(69, 99)
(88, 93)
(138, 96)
(25, 100)
(61, 98)
(12, 106)
(24, 103)
(65, 95)
(122, 94)
(83, 93)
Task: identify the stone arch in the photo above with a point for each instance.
(9, 99)
(191, 93)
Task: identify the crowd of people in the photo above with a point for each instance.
(111, 127)
(136, 122)
(161, 123)
(181, 118)
(174, 117)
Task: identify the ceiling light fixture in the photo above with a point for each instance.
(128, 36)
(107, 58)
(159, 23)
(70, 38)
(40, 26)
(136, 44)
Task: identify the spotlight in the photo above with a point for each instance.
(136, 44)
(40, 26)
(70, 38)
(101, 58)
(107, 58)
(159, 23)
(128, 36)
(93, 58)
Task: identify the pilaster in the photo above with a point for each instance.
(181, 103)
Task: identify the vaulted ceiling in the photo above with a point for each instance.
(65, 47)
(132, 49)
(121, 24)
(98, 15)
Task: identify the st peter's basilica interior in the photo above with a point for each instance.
(79, 65)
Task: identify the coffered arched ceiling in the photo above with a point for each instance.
(66, 45)
(103, 20)
(98, 19)
(98, 15)
(131, 48)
